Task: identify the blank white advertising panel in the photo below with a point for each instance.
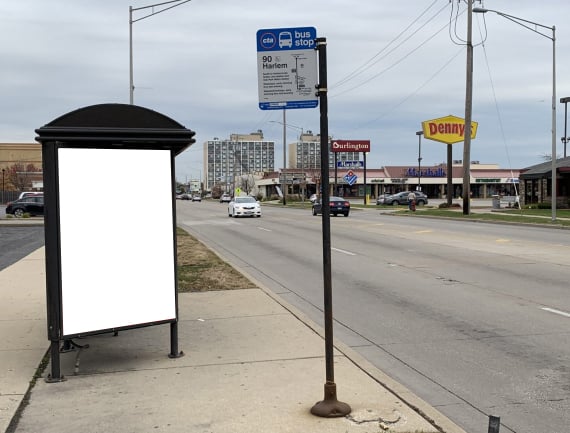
(117, 238)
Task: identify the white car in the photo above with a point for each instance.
(244, 206)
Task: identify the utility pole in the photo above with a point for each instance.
(468, 113)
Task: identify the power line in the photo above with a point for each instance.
(366, 65)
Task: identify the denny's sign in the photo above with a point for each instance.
(448, 129)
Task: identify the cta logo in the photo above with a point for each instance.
(267, 40)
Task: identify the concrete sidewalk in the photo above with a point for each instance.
(252, 364)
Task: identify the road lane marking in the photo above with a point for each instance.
(424, 231)
(502, 240)
(559, 312)
(264, 229)
(343, 251)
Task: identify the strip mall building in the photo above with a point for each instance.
(486, 180)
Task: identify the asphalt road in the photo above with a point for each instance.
(472, 317)
(18, 242)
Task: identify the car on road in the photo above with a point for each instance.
(401, 198)
(225, 198)
(337, 205)
(196, 197)
(244, 206)
(32, 205)
(29, 194)
(185, 197)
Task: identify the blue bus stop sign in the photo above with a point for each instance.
(287, 68)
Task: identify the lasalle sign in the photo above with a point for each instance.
(448, 129)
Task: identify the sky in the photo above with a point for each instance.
(390, 66)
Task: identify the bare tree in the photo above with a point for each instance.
(21, 175)
(247, 183)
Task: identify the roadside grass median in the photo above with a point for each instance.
(201, 270)
(520, 216)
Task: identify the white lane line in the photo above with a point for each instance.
(343, 251)
(264, 229)
(552, 310)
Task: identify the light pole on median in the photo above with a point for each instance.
(285, 126)
(532, 26)
(419, 134)
(565, 138)
(131, 22)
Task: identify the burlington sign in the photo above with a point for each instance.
(449, 129)
(350, 146)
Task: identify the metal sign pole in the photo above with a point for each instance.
(329, 407)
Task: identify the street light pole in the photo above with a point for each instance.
(285, 125)
(131, 22)
(565, 138)
(419, 134)
(3, 170)
(525, 23)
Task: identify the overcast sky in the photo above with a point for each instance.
(391, 65)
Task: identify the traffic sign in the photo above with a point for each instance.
(287, 68)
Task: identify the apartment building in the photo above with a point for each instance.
(241, 154)
(305, 153)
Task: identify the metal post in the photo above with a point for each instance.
(284, 183)
(554, 190)
(3, 170)
(449, 175)
(419, 134)
(565, 138)
(468, 113)
(525, 23)
(174, 353)
(335, 170)
(131, 21)
(365, 186)
(131, 85)
(329, 407)
(494, 424)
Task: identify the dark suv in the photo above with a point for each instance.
(32, 205)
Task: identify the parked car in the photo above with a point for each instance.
(185, 197)
(196, 197)
(33, 205)
(225, 198)
(337, 205)
(244, 206)
(30, 194)
(401, 198)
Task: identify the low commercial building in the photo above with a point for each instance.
(486, 181)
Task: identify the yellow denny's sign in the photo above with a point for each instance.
(449, 129)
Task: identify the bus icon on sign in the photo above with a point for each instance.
(285, 40)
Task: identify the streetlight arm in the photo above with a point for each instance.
(520, 21)
(178, 3)
(288, 125)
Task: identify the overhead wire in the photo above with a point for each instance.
(416, 91)
(497, 109)
(397, 62)
(366, 65)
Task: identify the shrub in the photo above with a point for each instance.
(447, 206)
